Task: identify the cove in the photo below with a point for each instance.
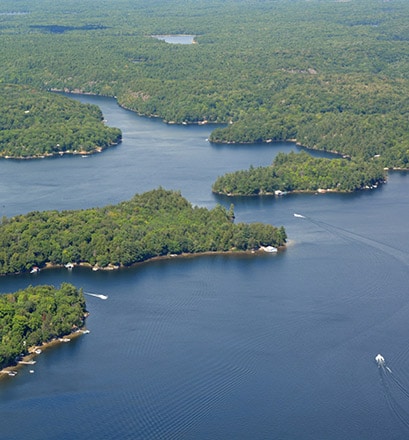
(275, 346)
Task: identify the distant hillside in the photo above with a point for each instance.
(332, 75)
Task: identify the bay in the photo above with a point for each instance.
(274, 346)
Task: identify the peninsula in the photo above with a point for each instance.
(150, 225)
(37, 315)
(38, 124)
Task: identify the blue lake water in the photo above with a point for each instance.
(220, 347)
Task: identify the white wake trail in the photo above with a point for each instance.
(391, 385)
(97, 295)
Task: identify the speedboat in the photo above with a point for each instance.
(380, 360)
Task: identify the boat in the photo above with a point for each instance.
(298, 215)
(269, 249)
(380, 360)
(35, 269)
(69, 265)
(27, 362)
(96, 295)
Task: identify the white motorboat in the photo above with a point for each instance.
(380, 360)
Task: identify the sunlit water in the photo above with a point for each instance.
(220, 347)
(176, 39)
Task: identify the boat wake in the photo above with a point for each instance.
(96, 295)
(395, 391)
(353, 237)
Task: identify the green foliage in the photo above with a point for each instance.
(35, 123)
(35, 315)
(333, 75)
(152, 224)
(301, 172)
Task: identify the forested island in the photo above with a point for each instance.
(156, 223)
(34, 123)
(35, 315)
(301, 172)
(332, 75)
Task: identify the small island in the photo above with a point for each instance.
(300, 172)
(37, 315)
(155, 224)
(37, 124)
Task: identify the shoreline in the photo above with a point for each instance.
(283, 193)
(110, 267)
(68, 91)
(36, 350)
(96, 150)
(205, 122)
(258, 251)
(297, 191)
(123, 106)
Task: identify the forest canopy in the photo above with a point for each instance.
(36, 315)
(332, 75)
(152, 224)
(302, 172)
(35, 123)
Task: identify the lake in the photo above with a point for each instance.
(176, 39)
(276, 346)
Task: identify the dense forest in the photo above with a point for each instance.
(35, 315)
(333, 75)
(302, 172)
(35, 123)
(152, 224)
